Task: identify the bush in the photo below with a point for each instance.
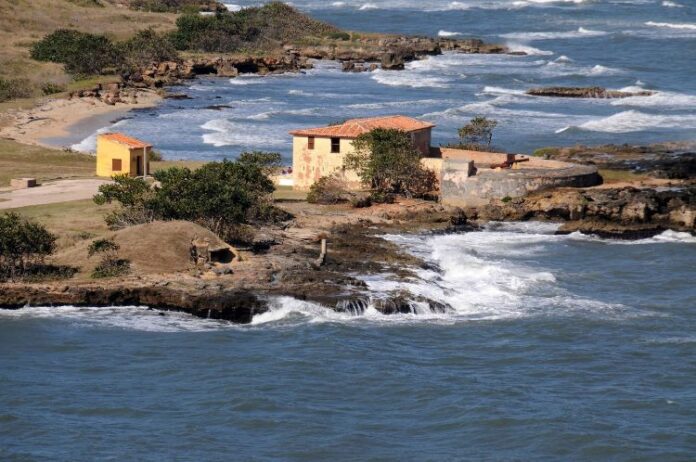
(81, 53)
(219, 196)
(327, 190)
(268, 162)
(49, 88)
(15, 88)
(477, 135)
(23, 245)
(387, 160)
(146, 47)
(155, 156)
(110, 265)
(339, 35)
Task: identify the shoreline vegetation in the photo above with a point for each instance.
(278, 236)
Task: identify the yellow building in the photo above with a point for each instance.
(318, 152)
(118, 154)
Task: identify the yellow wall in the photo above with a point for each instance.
(310, 165)
(107, 150)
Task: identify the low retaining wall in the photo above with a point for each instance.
(459, 188)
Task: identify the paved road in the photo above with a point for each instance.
(51, 193)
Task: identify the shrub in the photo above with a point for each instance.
(146, 47)
(155, 156)
(15, 88)
(110, 265)
(477, 135)
(327, 190)
(506, 199)
(219, 196)
(49, 88)
(387, 160)
(268, 162)
(339, 35)
(81, 53)
(545, 152)
(23, 245)
(361, 201)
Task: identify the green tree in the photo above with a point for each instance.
(81, 53)
(147, 46)
(219, 195)
(23, 244)
(110, 264)
(477, 135)
(387, 160)
(268, 162)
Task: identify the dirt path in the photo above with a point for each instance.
(51, 193)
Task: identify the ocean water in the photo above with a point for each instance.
(617, 44)
(557, 348)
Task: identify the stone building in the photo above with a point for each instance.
(318, 152)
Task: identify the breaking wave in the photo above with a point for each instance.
(635, 121)
(669, 25)
(581, 32)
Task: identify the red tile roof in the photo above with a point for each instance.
(127, 140)
(354, 127)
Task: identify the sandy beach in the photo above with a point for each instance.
(55, 119)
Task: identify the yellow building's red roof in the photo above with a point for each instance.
(127, 140)
(355, 127)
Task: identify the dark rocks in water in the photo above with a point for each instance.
(616, 212)
(674, 161)
(218, 107)
(584, 92)
(392, 61)
(353, 66)
(231, 305)
(177, 96)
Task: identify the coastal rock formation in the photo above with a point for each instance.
(609, 212)
(585, 92)
(665, 160)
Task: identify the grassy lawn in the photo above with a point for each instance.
(22, 160)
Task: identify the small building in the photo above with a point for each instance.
(318, 152)
(118, 154)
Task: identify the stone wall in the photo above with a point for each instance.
(462, 187)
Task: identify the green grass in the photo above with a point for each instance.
(71, 221)
(619, 176)
(23, 160)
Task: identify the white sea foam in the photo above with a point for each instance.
(368, 6)
(518, 47)
(581, 32)
(409, 79)
(635, 121)
(670, 4)
(127, 318)
(669, 25)
(661, 99)
(232, 7)
(445, 33)
(238, 133)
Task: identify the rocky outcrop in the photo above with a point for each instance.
(232, 305)
(667, 160)
(611, 212)
(109, 93)
(585, 92)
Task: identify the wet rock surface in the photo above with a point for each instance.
(585, 92)
(628, 213)
(666, 160)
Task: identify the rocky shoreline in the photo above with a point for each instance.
(384, 52)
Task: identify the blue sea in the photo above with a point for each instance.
(556, 347)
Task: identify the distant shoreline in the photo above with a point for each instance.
(58, 123)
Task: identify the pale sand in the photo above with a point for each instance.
(55, 118)
(51, 193)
